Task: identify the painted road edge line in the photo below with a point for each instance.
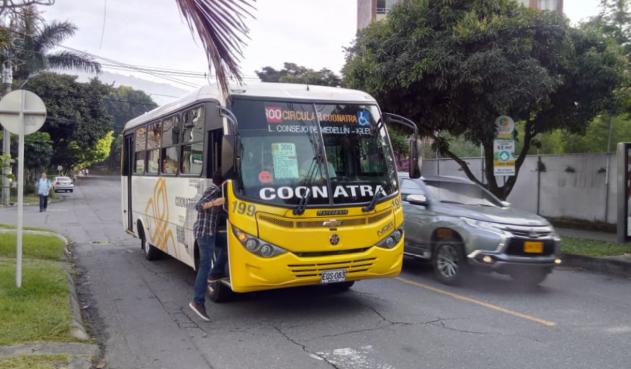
(487, 305)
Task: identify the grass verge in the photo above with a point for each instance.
(40, 310)
(33, 246)
(593, 248)
(13, 226)
(36, 362)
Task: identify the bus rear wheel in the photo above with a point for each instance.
(219, 292)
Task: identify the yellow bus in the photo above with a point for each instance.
(312, 194)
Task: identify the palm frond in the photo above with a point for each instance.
(53, 34)
(221, 28)
(70, 60)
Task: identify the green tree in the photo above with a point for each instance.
(455, 65)
(77, 119)
(84, 158)
(33, 41)
(124, 103)
(38, 151)
(294, 73)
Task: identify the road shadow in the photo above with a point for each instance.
(476, 281)
(298, 302)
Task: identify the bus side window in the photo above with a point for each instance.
(139, 150)
(192, 159)
(171, 128)
(192, 148)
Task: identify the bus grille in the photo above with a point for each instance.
(352, 222)
(315, 270)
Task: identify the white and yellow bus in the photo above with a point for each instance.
(312, 193)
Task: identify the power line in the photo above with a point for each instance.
(159, 72)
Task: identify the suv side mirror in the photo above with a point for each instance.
(417, 200)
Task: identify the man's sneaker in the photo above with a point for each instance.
(200, 310)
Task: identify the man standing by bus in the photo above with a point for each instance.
(209, 214)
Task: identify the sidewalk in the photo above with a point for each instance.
(617, 265)
(587, 235)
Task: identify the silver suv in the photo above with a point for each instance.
(459, 225)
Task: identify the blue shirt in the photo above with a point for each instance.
(43, 187)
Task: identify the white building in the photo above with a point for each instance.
(369, 11)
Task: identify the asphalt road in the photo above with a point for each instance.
(139, 310)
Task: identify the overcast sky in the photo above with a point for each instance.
(153, 33)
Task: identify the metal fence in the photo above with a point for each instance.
(578, 186)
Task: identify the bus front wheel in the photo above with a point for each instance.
(219, 292)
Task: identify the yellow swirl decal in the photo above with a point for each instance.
(157, 210)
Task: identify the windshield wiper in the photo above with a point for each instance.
(316, 163)
(302, 205)
(378, 194)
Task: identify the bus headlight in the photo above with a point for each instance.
(256, 246)
(392, 240)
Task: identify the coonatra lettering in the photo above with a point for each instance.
(345, 191)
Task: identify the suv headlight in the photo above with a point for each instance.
(257, 246)
(482, 224)
(392, 240)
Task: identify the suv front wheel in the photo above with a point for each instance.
(449, 263)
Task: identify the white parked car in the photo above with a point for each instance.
(63, 184)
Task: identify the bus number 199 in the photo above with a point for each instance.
(241, 208)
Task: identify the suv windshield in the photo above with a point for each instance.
(336, 153)
(461, 193)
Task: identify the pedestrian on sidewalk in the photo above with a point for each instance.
(209, 214)
(43, 190)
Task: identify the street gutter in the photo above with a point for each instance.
(614, 265)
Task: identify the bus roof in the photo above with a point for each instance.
(289, 91)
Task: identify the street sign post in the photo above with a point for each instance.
(504, 157)
(21, 113)
(504, 147)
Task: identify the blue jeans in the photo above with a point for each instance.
(212, 262)
(43, 202)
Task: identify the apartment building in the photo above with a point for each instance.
(369, 11)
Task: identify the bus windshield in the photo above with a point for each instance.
(331, 153)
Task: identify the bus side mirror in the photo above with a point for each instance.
(415, 158)
(415, 146)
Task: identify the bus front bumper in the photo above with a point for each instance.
(249, 273)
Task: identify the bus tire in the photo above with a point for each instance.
(151, 253)
(219, 292)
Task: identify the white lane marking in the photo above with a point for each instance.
(350, 358)
(619, 330)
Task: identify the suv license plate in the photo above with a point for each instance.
(533, 247)
(333, 276)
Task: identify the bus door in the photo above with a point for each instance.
(128, 166)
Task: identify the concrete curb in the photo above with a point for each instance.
(81, 353)
(601, 265)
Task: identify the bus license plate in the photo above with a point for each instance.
(333, 276)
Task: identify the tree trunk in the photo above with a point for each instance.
(492, 185)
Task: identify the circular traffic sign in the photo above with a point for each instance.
(22, 111)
